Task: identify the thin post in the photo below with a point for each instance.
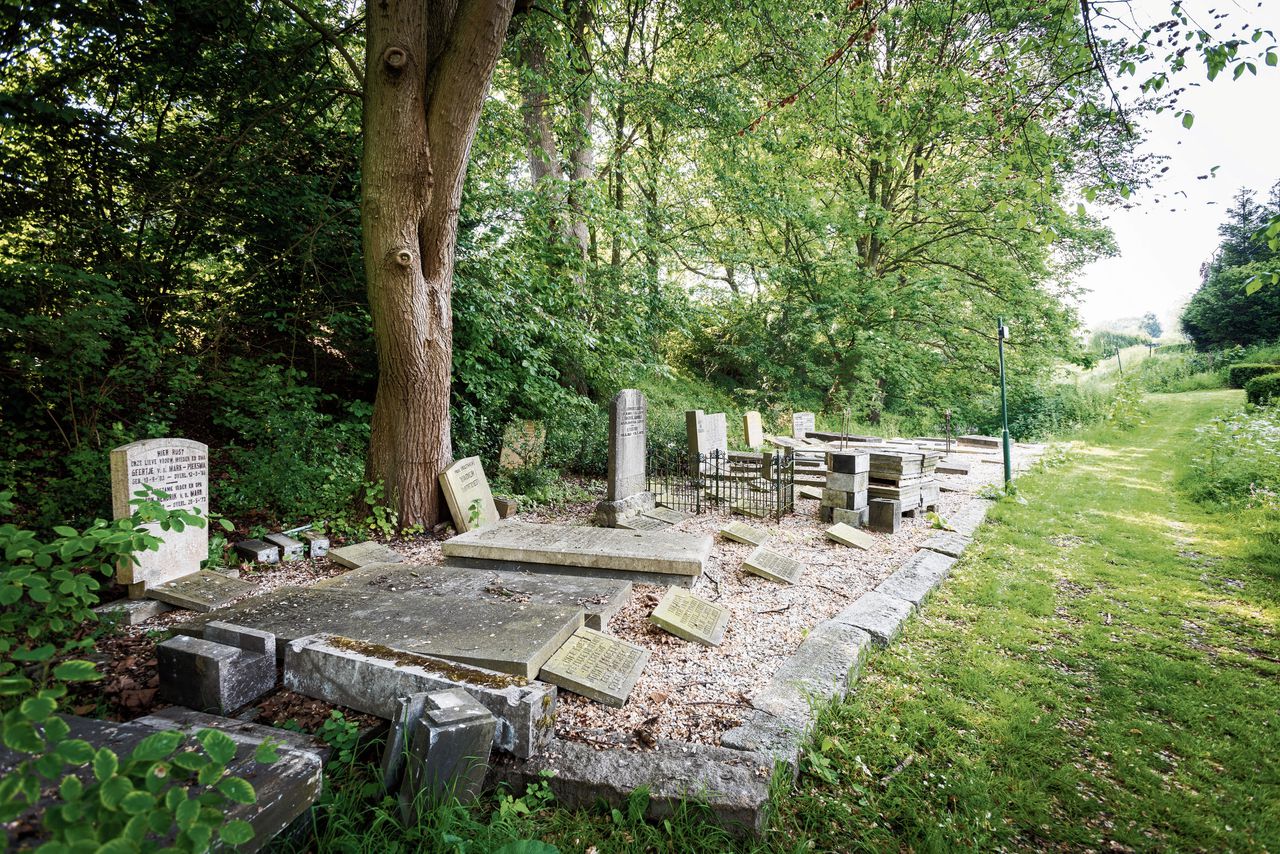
(1119, 363)
(1001, 332)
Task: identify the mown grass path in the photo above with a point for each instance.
(1101, 672)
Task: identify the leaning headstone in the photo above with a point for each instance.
(180, 468)
(216, 675)
(626, 491)
(697, 434)
(686, 616)
(752, 429)
(363, 554)
(769, 564)
(740, 532)
(448, 753)
(802, 423)
(847, 535)
(523, 443)
(290, 549)
(201, 591)
(466, 490)
(256, 551)
(597, 666)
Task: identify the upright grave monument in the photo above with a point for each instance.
(467, 492)
(627, 493)
(802, 424)
(718, 433)
(179, 468)
(753, 429)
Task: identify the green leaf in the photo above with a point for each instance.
(187, 813)
(22, 737)
(37, 708)
(40, 653)
(238, 790)
(266, 752)
(137, 802)
(105, 764)
(1189, 118)
(65, 531)
(156, 746)
(71, 788)
(218, 745)
(14, 685)
(236, 832)
(76, 670)
(113, 791)
(75, 751)
(191, 760)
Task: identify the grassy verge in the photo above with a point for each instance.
(1101, 672)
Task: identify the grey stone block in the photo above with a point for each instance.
(884, 515)
(856, 518)
(240, 637)
(609, 512)
(371, 678)
(449, 753)
(849, 462)
(825, 665)
(131, 612)
(770, 736)
(948, 543)
(317, 543)
(290, 549)
(845, 482)
(968, 521)
(918, 577)
(256, 551)
(734, 784)
(878, 614)
(208, 676)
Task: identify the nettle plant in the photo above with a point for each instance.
(168, 794)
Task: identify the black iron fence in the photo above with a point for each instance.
(757, 484)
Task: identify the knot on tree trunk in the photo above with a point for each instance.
(395, 59)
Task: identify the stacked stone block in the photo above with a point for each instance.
(844, 497)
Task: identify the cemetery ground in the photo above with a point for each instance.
(1099, 673)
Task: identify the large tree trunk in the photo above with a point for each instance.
(427, 68)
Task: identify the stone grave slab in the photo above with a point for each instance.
(523, 443)
(717, 433)
(131, 612)
(740, 532)
(918, 577)
(599, 598)
(825, 665)
(812, 492)
(363, 554)
(201, 591)
(256, 551)
(466, 490)
(666, 514)
(689, 617)
(847, 535)
(550, 548)
(448, 752)
(697, 434)
(877, 614)
(628, 431)
(180, 468)
(290, 549)
(597, 666)
(953, 467)
(286, 788)
(949, 543)
(773, 566)
(640, 522)
(752, 429)
(496, 633)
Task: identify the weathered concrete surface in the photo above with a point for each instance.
(657, 552)
(201, 591)
(918, 577)
(948, 543)
(968, 521)
(770, 736)
(825, 665)
(597, 666)
(363, 554)
(208, 676)
(878, 615)
(285, 788)
(131, 612)
(372, 679)
(734, 784)
(496, 632)
(599, 598)
(448, 752)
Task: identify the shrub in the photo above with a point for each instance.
(1241, 373)
(1263, 390)
(1235, 459)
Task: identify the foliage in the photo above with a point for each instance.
(1151, 325)
(1263, 390)
(1105, 343)
(1126, 409)
(1234, 457)
(1239, 374)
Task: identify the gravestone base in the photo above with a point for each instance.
(662, 579)
(609, 513)
(448, 753)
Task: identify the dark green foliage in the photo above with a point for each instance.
(1239, 374)
(1263, 390)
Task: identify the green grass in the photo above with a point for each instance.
(1100, 672)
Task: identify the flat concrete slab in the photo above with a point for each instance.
(597, 666)
(599, 598)
(576, 546)
(847, 535)
(918, 577)
(968, 521)
(201, 591)
(769, 564)
(363, 554)
(877, 614)
(741, 532)
(493, 633)
(947, 543)
(688, 617)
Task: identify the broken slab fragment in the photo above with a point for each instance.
(847, 535)
(877, 614)
(317, 543)
(734, 784)
(201, 591)
(372, 678)
(769, 564)
(533, 547)
(448, 752)
(256, 551)
(131, 612)
(290, 549)
(212, 677)
(597, 666)
(741, 532)
(688, 617)
(919, 576)
(948, 543)
(362, 554)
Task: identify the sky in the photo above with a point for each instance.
(1163, 242)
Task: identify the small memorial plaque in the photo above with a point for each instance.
(752, 429)
(812, 492)
(640, 522)
(740, 532)
(363, 554)
(201, 591)
(850, 536)
(802, 424)
(686, 616)
(773, 566)
(466, 490)
(597, 666)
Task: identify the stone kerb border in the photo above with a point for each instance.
(734, 780)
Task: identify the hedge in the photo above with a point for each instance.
(1264, 390)
(1241, 373)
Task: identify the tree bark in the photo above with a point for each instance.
(427, 70)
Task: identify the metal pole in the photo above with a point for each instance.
(1004, 403)
(1119, 363)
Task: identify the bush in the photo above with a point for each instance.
(1239, 374)
(1236, 459)
(1263, 390)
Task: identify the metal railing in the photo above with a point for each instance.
(758, 484)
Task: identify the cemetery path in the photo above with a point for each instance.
(1101, 672)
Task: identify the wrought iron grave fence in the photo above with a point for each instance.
(757, 484)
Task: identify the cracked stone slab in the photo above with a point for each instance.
(770, 736)
(971, 518)
(878, 614)
(918, 577)
(948, 543)
(825, 665)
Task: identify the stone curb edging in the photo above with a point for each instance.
(733, 780)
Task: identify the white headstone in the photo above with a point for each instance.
(752, 429)
(717, 433)
(628, 419)
(179, 468)
(467, 492)
(802, 423)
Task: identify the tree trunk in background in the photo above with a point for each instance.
(427, 68)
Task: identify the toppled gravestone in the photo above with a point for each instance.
(448, 752)
(228, 668)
